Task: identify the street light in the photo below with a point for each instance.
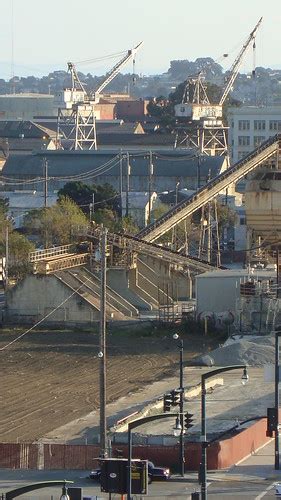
(277, 400)
(64, 495)
(177, 428)
(204, 442)
(181, 388)
(133, 425)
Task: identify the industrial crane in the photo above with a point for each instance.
(76, 115)
(200, 107)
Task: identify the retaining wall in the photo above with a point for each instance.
(221, 454)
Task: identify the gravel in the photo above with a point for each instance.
(252, 351)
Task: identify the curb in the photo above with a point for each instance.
(158, 404)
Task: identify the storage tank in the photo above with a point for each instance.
(263, 203)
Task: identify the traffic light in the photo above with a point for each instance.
(188, 419)
(272, 421)
(167, 400)
(175, 395)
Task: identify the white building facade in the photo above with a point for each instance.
(249, 126)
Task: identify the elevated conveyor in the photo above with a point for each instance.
(205, 194)
(135, 244)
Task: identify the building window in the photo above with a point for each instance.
(182, 109)
(259, 124)
(243, 140)
(275, 125)
(242, 221)
(258, 139)
(244, 125)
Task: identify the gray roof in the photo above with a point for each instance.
(170, 163)
(24, 129)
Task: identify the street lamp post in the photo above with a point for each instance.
(133, 425)
(204, 442)
(102, 352)
(181, 388)
(277, 400)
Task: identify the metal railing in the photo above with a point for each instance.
(38, 255)
(205, 194)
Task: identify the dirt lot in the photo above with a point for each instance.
(51, 377)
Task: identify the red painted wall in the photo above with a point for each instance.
(221, 454)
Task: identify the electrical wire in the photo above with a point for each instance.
(45, 317)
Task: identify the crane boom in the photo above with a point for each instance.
(237, 63)
(115, 70)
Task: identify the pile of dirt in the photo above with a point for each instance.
(252, 351)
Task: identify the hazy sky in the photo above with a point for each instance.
(48, 33)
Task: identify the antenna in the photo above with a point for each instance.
(12, 48)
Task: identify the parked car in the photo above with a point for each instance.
(154, 473)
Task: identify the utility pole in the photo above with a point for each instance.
(128, 184)
(92, 207)
(121, 180)
(151, 168)
(7, 256)
(45, 167)
(102, 348)
(209, 232)
(45, 174)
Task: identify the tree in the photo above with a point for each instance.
(19, 249)
(105, 196)
(57, 225)
(18, 245)
(106, 217)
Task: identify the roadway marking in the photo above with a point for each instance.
(265, 491)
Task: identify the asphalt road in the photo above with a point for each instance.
(254, 479)
(174, 489)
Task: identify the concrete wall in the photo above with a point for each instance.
(171, 281)
(36, 296)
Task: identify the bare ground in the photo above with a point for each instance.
(49, 378)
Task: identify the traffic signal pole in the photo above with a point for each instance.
(276, 437)
(182, 455)
(132, 425)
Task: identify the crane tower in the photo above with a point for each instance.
(76, 113)
(209, 133)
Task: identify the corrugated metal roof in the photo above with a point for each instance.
(171, 163)
(23, 129)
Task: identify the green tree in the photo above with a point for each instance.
(18, 245)
(105, 196)
(19, 248)
(106, 217)
(57, 225)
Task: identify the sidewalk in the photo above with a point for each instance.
(257, 467)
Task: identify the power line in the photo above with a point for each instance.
(45, 317)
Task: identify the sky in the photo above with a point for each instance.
(38, 36)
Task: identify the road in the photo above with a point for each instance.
(253, 479)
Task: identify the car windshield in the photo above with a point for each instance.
(151, 465)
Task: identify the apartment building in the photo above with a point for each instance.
(249, 126)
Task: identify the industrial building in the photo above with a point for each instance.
(156, 171)
(245, 298)
(26, 106)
